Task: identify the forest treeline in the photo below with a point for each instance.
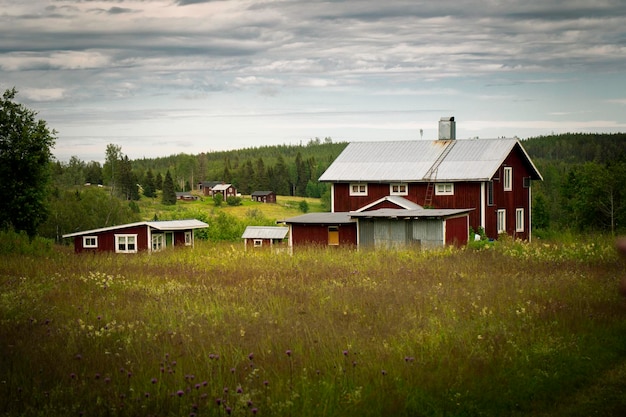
(584, 186)
(584, 182)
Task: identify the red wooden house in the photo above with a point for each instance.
(264, 196)
(490, 176)
(150, 236)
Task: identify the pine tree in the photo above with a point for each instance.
(149, 189)
(280, 178)
(169, 193)
(158, 181)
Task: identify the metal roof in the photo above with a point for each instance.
(397, 200)
(177, 224)
(414, 213)
(265, 232)
(468, 159)
(221, 187)
(159, 225)
(320, 218)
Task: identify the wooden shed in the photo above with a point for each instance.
(264, 236)
(151, 236)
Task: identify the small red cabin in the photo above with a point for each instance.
(135, 237)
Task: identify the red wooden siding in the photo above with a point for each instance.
(106, 239)
(457, 231)
(306, 234)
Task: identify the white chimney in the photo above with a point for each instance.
(447, 128)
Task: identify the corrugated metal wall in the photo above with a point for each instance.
(389, 233)
(428, 232)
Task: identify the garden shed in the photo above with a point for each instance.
(264, 236)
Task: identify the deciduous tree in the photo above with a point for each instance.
(25, 156)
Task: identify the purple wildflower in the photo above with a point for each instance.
(288, 352)
(180, 392)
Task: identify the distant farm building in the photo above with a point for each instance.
(264, 196)
(186, 196)
(151, 236)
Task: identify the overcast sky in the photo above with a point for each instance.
(161, 77)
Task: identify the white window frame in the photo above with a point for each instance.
(258, 243)
(501, 221)
(87, 242)
(158, 242)
(519, 220)
(507, 182)
(125, 238)
(399, 188)
(444, 188)
(358, 189)
(188, 238)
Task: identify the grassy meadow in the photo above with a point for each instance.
(510, 329)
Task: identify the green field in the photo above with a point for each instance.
(511, 329)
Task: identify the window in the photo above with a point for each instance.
(519, 220)
(398, 189)
(258, 243)
(90, 241)
(188, 238)
(444, 188)
(490, 193)
(358, 189)
(501, 221)
(157, 242)
(508, 179)
(333, 235)
(126, 243)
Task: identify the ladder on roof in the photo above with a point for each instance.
(431, 174)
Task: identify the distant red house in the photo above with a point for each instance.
(206, 187)
(492, 177)
(150, 236)
(264, 196)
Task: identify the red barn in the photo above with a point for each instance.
(135, 237)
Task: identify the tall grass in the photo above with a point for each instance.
(510, 329)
